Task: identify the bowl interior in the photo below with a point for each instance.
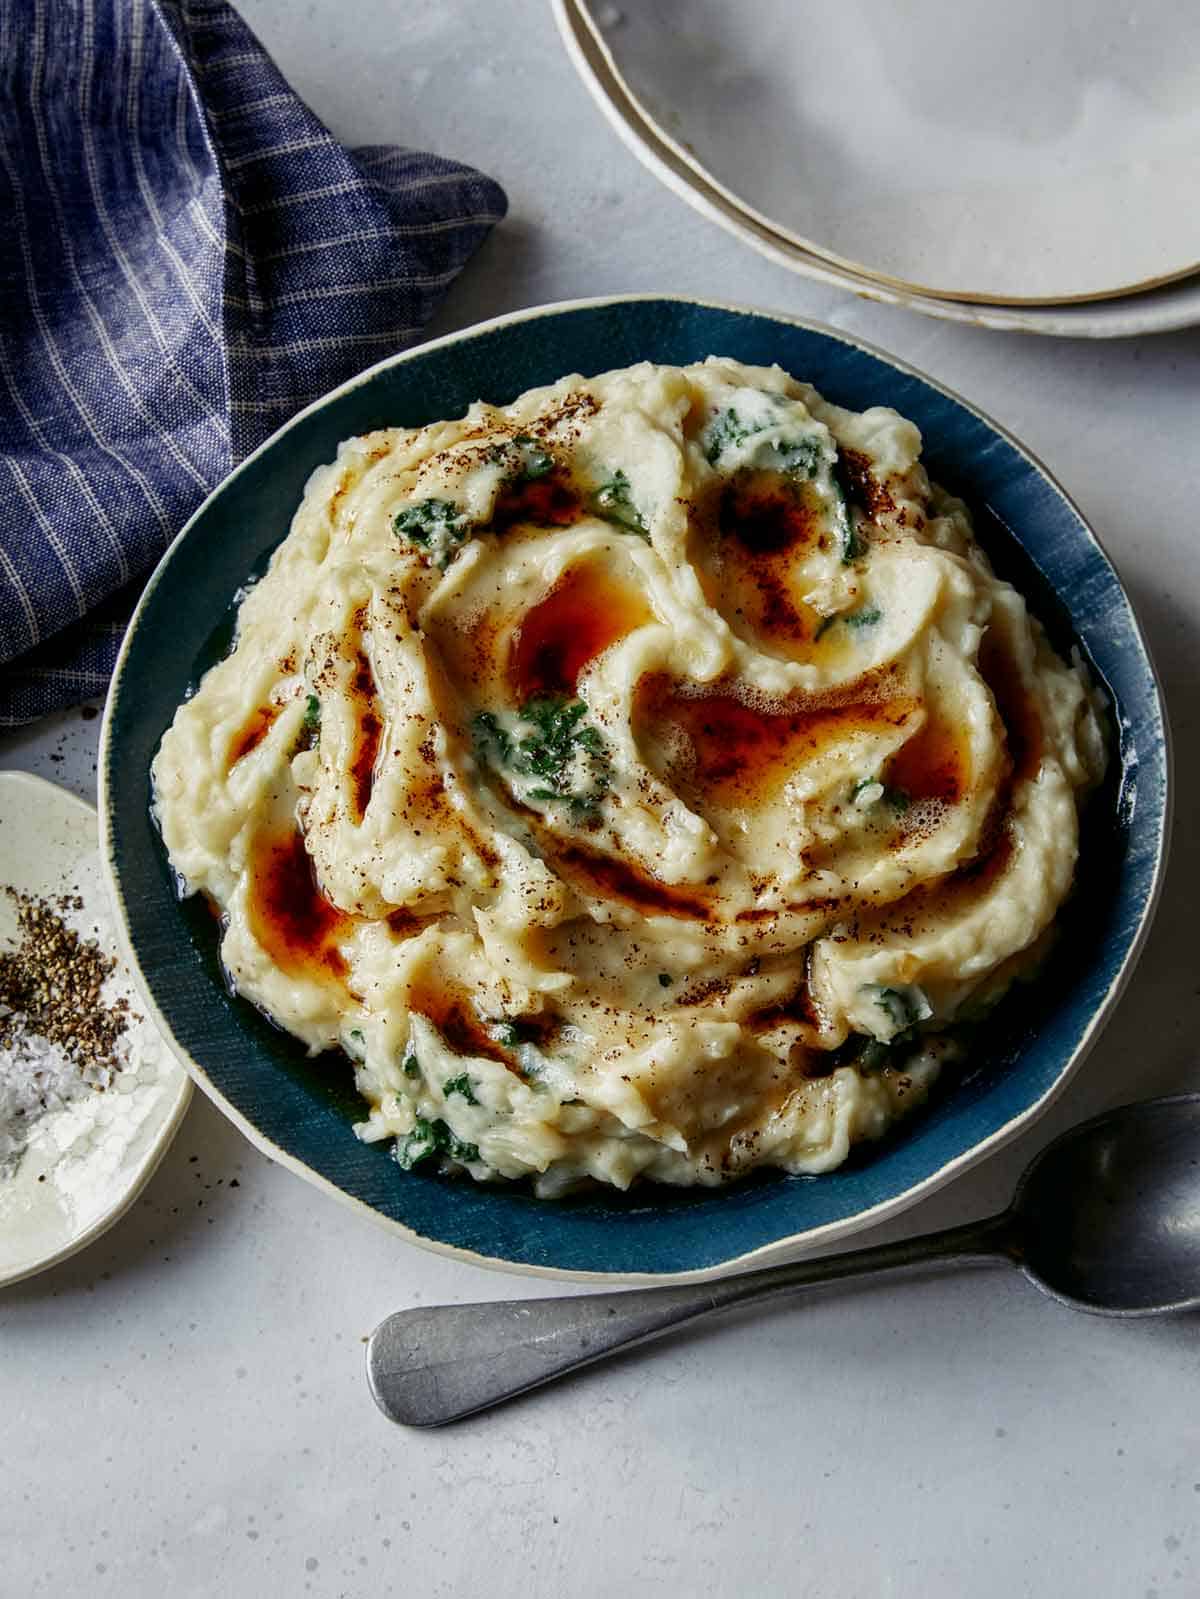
(305, 1107)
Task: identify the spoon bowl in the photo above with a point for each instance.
(1106, 1219)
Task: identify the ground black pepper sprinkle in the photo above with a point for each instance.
(51, 986)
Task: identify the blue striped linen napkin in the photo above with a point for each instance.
(189, 256)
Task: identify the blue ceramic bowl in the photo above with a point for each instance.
(301, 1111)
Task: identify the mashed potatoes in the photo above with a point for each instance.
(639, 779)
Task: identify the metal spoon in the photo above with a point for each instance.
(1106, 1219)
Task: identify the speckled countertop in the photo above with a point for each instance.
(184, 1409)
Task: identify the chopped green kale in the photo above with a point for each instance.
(533, 461)
(524, 460)
(904, 1007)
(438, 526)
(553, 749)
(851, 540)
(873, 1054)
(568, 757)
(725, 432)
(866, 617)
(799, 457)
(870, 1054)
(613, 501)
(850, 536)
(462, 1085)
(309, 735)
(432, 1138)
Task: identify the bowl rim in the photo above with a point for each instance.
(792, 1244)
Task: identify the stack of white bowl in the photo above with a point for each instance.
(1019, 167)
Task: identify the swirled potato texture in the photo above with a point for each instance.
(640, 779)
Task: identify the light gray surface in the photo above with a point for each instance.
(184, 1406)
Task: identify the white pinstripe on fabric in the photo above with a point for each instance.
(331, 291)
(224, 118)
(93, 314)
(296, 147)
(112, 235)
(70, 466)
(60, 372)
(446, 180)
(27, 494)
(314, 341)
(13, 575)
(162, 236)
(174, 297)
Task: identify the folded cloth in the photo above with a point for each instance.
(189, 257)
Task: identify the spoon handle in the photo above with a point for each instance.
(442, 1362)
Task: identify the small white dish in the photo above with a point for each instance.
(82, 1162)
(1160, 310)
(1013, 154)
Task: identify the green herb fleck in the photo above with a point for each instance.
(904, 1007)
(457, 1148)
(411, 1066)
(438, 526)
(432, 1138)
(851, 540)
(867, 617)
(491, 738)
(725, 432)
(463, 1085)
(551, 752)
(512, 1032)
(665, 979)
(310, 726)
(800, 456)
(869, 1054)
(895, 797)
(415, 1146)
(613, 501)
(533, 461)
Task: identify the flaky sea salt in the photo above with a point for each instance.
(61, 1035)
